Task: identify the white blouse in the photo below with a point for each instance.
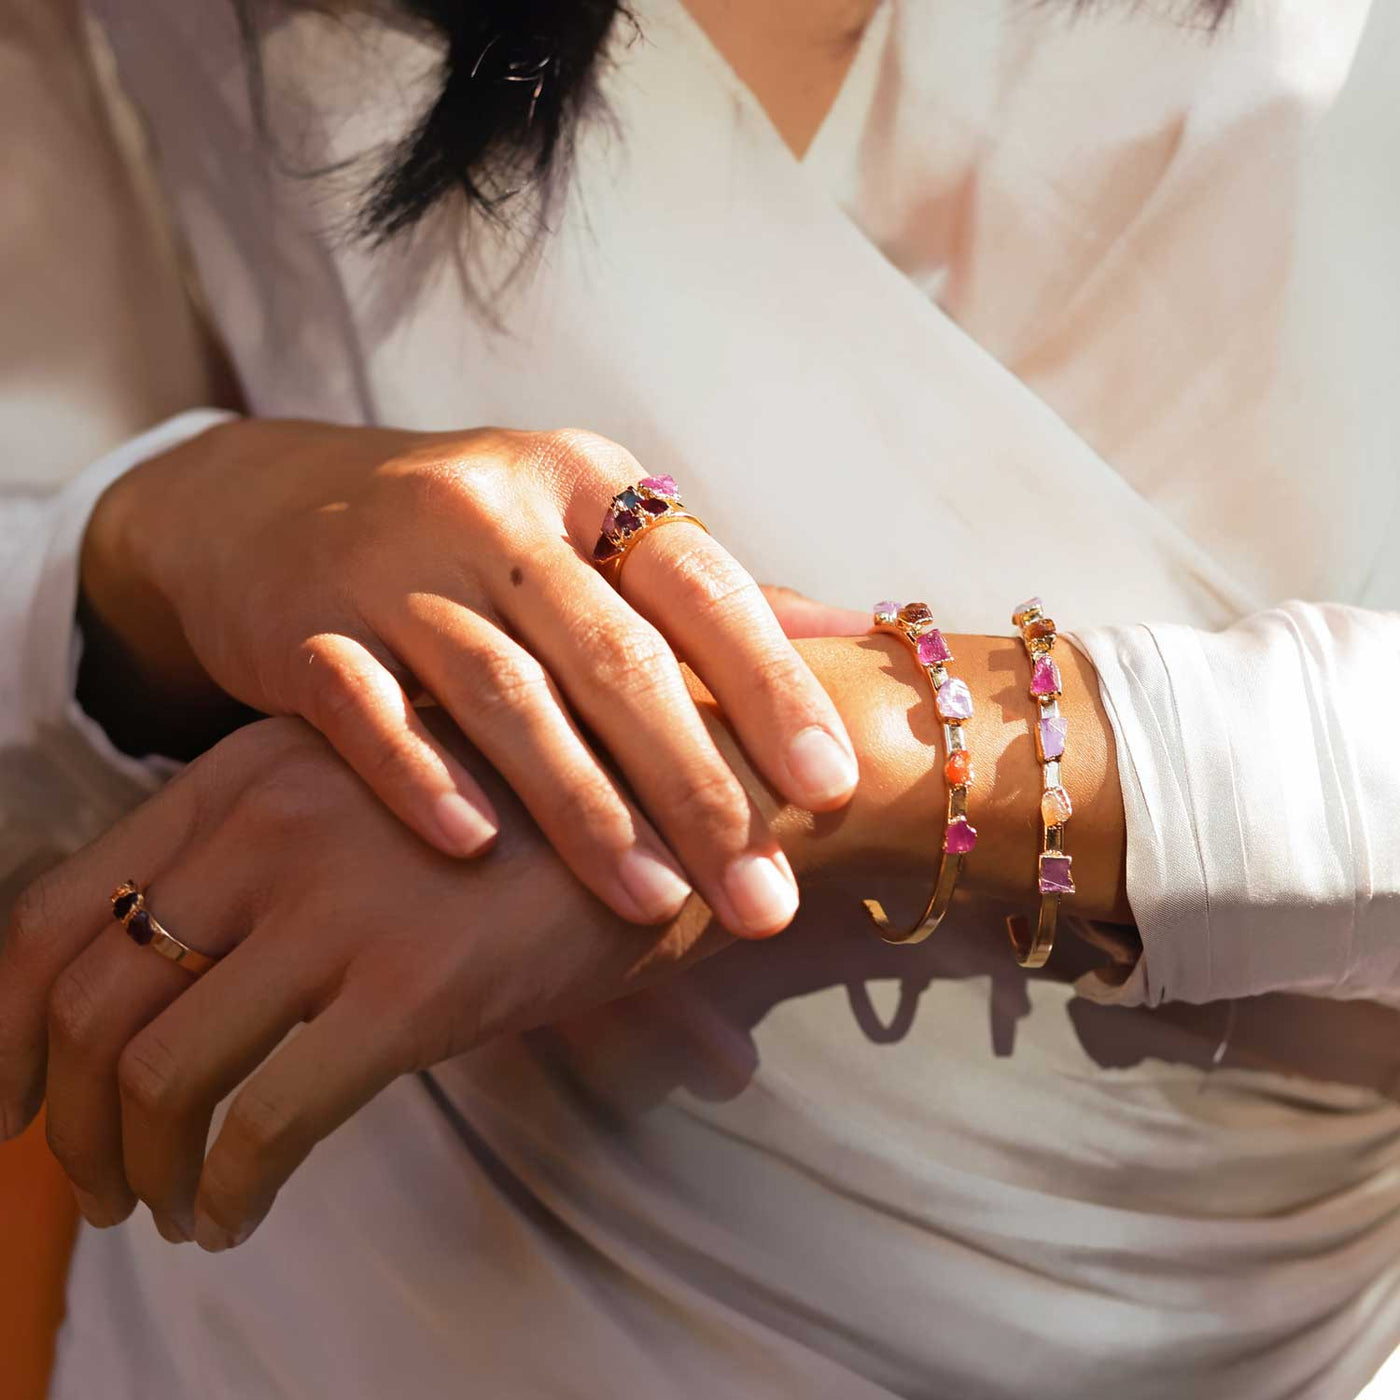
(1096, 307)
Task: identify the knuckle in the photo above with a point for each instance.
(502, 681)
(148, 1077)
(631, 661)
(27, 925)
(74, 1010)
(777, 672)
(79, 1162)
(258, 1129)
(714, 583)
(710, 799)
(578, 452)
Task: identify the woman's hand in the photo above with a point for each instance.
(333, 573)
(269, 850)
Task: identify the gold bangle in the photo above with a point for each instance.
(953, 703)
(1055, 878)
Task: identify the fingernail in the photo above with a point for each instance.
(821, 767)
(465, 830)
(171, 1231)
(214, 1238)
(762, 897)
(656, 889)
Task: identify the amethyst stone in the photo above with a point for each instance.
(887, 609)
(139, 927)
(653, 507)
(1050, 734)
(124, 904)
(954, 700)
(960, 837)
(1055, 877)
(932, 649)
(627, 521)
(603, 550)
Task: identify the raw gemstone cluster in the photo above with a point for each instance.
(631, 510)
(125, 902)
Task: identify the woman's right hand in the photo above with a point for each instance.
(334, 573)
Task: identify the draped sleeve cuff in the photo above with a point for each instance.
(63, 769)
(1260, 769)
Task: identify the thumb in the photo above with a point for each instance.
(801, 616)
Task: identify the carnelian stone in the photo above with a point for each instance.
(958, 769)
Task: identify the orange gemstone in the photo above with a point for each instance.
(1055, 806)
(1038, 630)
(958, 769)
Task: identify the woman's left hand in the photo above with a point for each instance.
(329, 911)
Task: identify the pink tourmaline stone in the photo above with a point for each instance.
(1052, 737)
(1055, 877)
(1045, 678)
(960, 837)
(954, 699)
(932, 649)
(662, 485)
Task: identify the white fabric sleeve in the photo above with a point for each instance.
(61, 780)
(1261, 784)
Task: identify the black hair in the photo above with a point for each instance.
(513, 78)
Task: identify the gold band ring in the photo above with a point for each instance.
(146, 931)
(652, 502)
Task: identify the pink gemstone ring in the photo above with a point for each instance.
(653, 501)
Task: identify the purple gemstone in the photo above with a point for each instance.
(1052, 737)
(887, 607)
(1045, 678)
(954, 699)
(1030, 605)
(627, 521)
(604, 549)
(610, 522)
(124, 904)
(662, 485)
(1055, 877)
(139, 927)
(653, 507)
(960, 837)
(932, 649)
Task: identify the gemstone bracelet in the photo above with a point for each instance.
(1055, 878)
(953, 701)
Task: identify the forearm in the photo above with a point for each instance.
(894, 824)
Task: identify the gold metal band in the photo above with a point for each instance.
(1054, 868)
(144, 929)
(612, 567)
(913, 624)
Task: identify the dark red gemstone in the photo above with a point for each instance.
(653, 507)
(139, 927)
(604, 549)
(627, 521)
(124, 904)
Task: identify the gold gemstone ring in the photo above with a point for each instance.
(143, 928)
